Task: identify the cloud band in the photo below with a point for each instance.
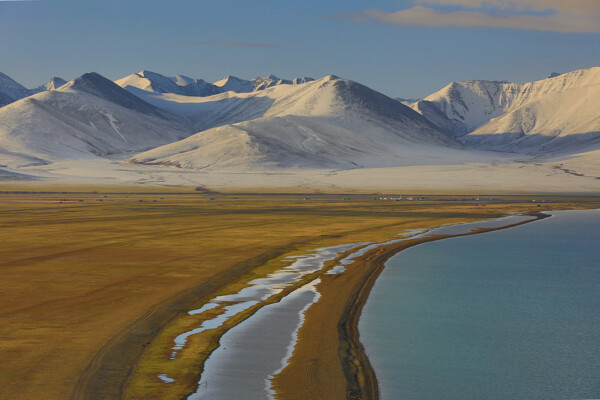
(547, 15)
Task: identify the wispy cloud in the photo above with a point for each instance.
(569, 6)
(540, 15)
(236, 44)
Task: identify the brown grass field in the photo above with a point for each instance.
(93, 284)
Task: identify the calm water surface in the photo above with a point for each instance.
(512, 314)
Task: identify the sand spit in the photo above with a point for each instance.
(329, 361)
(253, 354)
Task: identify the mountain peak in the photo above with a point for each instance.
(331, 78)
(54, 83)
(97, 85)
(228, 79)
(234, 84)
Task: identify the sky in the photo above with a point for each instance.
(402, 48)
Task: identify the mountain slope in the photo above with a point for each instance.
(90, 116)
(10, 90)
(462, 107)
(5, 99)
(562, 122)
(329, 123)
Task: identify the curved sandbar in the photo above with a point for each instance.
(329, 361)
(104, 380)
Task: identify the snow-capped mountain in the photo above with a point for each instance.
(563, 122)
(54, 83)
(263, 82)
(234, 84)
(90, 126)
(157, 83)
(10, 90)
(186, 86)
(231, 83)
(329, 123)
(462, 107)
(89, 116)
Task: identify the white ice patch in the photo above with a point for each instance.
(204, 308)
(259, 290)
(292, 345)
(338, 269)
(165, 378)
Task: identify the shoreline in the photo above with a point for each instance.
(329, 352)
(121, 272)
(359, 378)
(357, 367)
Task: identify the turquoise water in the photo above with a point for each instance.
(512, 314)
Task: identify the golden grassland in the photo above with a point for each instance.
(94, 282)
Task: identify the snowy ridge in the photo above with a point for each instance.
(186, 86)
(234, 84)
(329, 123)
(11, 91)
(88, 117)
(462, 107)
(53, 84)
(562, 122)
(99, 86)
(157, 83)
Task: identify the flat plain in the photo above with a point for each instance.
(94, 281)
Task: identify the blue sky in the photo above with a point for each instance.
(406, 48)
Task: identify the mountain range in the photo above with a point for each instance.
(558, 114)
(185, 86)
(11, 91)
(272, 124)
(87, 117)
(328, 123)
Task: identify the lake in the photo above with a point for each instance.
(510, 314)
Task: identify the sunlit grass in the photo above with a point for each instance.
(79, 267)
